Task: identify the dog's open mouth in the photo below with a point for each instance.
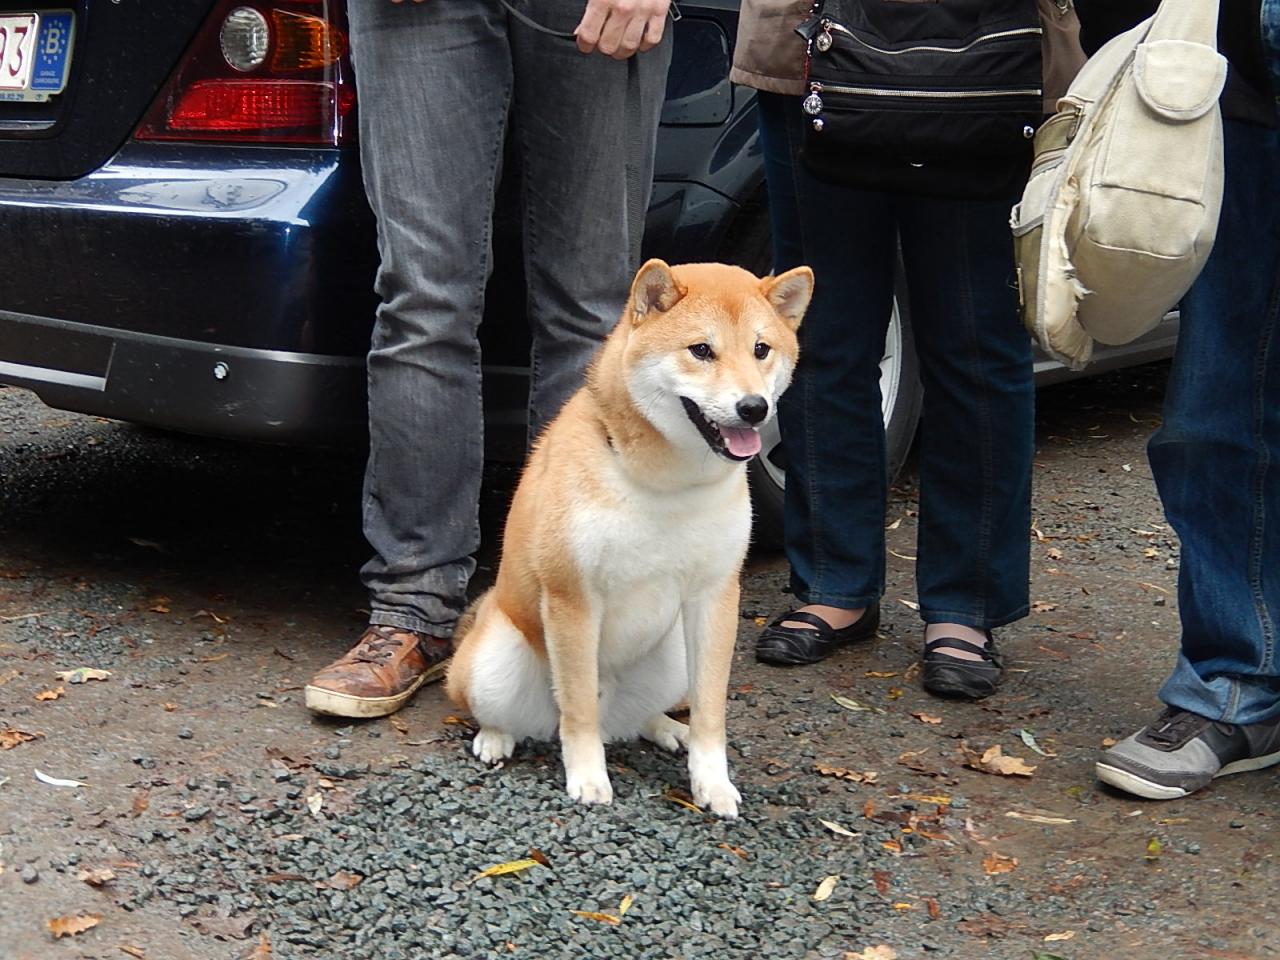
(736, 443)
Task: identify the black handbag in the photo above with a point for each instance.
(932, 97)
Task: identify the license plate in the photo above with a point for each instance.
(35, 54)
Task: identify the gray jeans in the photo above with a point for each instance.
(438, 83)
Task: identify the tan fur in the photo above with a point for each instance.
(588, 527)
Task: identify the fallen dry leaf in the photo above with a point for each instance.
(879, 675)
(736, 851)
(837, 829)
(939, 798)
(1042, 606)
(935, 911)
(993, 760)
(225, 928)
(1029, 738)
(314, 803)
(1154, 848)
(1053, 553)
(596, 915)
(141, 800)
(625, 905)
(398, 723)
(457, 721)
(994, 863)
(341, 880)
(856, 776)
(7, 675)
(53, 694)
(927, 718)
(881, 952)
(681, 799)
(827, 885)
(82, 675)
(159, 605)
(1064, 935)
(881, 879)
(215, 658)
(1109, 741)
(262, 949)
(97, 876)
(893, 846)
(11, 737)
(894, 693)
(512, 866)
(1036, 818)
(854, 705)
(131, 951)
(70, 926)
(211, 615)
(542, 858)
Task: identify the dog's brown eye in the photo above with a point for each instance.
(762, 350)
(703, 351)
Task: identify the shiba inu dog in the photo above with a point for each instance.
(617, 592)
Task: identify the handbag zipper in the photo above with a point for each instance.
(816, 88)
(828, 27)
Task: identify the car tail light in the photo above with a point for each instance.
(270, 72)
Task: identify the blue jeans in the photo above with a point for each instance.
(1216, 456)
(977, 434)
(438, 85)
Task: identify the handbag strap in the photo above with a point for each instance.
(1195, 21)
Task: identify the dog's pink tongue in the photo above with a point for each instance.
(741, 442)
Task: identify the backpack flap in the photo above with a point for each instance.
(1177, 79)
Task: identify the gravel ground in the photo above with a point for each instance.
(211, 580)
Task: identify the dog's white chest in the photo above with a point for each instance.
(646, 556)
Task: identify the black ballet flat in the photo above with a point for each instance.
(946, 676)
(795, 646)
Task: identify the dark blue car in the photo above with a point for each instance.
(186, 242)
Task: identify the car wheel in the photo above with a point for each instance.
(900, 395)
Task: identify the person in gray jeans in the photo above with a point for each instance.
(578, 85)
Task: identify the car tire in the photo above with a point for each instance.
(900, 390)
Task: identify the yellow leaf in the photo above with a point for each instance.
(893, 846)
(1153, 849)
(994, 863)
(512, 866)
(904, 906)
(894, 693)
(625, 905)
(1109, 741)
(82, 675)
(879, 675)
(608, 918)
(939, 798)
(70, 926)
(1065, 935)
(682, 799)
(827, 885)
(53, 694)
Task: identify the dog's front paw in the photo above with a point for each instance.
(493, 746)
(590, 788)
(719, 796)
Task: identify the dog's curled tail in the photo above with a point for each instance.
(468, 619)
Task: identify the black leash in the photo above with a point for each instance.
(673, 12)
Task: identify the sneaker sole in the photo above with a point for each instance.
(333, 704)
(1141, 787)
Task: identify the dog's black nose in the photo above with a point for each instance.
(753, 408)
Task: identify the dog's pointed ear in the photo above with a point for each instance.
(789, 294)
(654, 290)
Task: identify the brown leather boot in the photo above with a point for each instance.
(379, 674)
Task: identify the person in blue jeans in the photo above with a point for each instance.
(977, 439)
(1216, 456)
(579, 86)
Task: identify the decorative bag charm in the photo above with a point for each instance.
(1122, 206)
(937, 98)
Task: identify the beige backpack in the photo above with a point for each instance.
(1122, 205)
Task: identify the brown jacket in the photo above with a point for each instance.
(770, 55)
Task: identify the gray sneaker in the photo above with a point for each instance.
(1182, 751)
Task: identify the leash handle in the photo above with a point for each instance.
(673, 12)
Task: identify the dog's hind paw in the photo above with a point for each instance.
(493, 746)
(721, 797)
(667, 733)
